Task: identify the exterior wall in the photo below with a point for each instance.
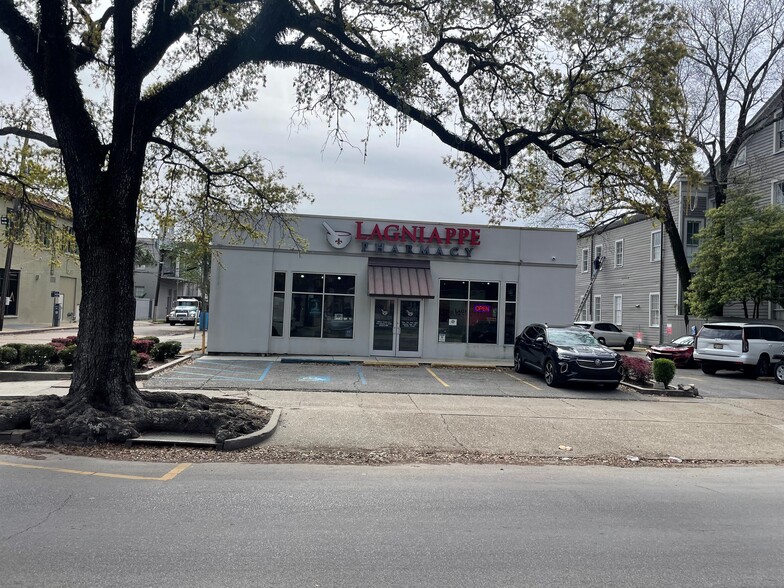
(38, 277)
(639, 277)
(540, 262)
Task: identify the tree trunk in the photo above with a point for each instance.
(678, 253)
(103, 376)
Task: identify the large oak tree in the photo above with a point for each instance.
(508, 85)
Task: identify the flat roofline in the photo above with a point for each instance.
(427, 222)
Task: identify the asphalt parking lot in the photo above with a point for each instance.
(235, 373)
(258, 373)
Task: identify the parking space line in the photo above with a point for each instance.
(361, 376)
(170, 475)
(266, 371)
(523, 381)
(440, 381)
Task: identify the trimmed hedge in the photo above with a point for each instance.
(9, 354)
(166, 349)
(20, 351)
(67, 355)
(39, 354)
(663, 370)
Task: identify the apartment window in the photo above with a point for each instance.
(598, 250)
(586, 261)
(278, 302)
(778, 136)
(740, 158)
(692, 244)
(322, 305)
(778, 194)
(656, 245)
(619, 253)
(510, 313)
(597, 307)
(654, 313)
(468, 311)
(618, 309)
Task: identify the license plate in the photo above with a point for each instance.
(718, 346)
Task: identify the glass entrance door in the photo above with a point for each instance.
(397, 327)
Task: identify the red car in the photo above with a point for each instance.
(680, 351)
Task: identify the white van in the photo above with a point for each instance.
(747, 347)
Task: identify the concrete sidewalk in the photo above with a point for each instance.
(691, 429)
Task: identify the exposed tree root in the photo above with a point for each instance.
(53, 419)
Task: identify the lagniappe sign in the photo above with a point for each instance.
(417, 239)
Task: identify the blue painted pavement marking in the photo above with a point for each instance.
(266, 371)
(361, 376)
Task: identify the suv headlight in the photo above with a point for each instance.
(566, 354)
(192, 313)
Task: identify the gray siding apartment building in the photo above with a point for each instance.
(637, 287)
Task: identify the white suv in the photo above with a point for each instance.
(738, 346)
(608, 334)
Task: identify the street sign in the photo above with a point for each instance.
(55, 294)
(3, 220)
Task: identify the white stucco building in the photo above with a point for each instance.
(369, 287)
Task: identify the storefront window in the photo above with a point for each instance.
(468, 311)
(452, 321)
(510, 314)
(322, 305)
(278, 301)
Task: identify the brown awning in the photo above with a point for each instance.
(399, 278)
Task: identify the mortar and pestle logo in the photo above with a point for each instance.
(338, 239)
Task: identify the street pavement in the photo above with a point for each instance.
(475, 407)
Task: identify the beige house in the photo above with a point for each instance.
(44, 262)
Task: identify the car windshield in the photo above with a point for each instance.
(721, 332)
(684, 341)
(185, 308)
(569, 337)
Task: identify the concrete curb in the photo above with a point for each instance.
(253, 438)
(671, 392)
(310, 360)
(150, 373)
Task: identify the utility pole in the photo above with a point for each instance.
(9, 252)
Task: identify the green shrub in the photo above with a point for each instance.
(9, 354)
(172, 348)
(161, 351)
(39, 354)
(67, 355)
(155, 340)
(134, 359)
(20, 351)
(663, 371)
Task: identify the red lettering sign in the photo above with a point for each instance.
(417, 234)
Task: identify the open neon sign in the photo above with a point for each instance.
(486, 308)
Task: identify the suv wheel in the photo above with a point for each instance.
(550, 374)
(763, 366)
(708, 369)
(518, 363)
(629, 345)
(778, 372)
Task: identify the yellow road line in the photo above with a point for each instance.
(523, 381)
(178, 469)
(175, 471)
(444, 384)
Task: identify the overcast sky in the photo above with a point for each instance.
(403, 182)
